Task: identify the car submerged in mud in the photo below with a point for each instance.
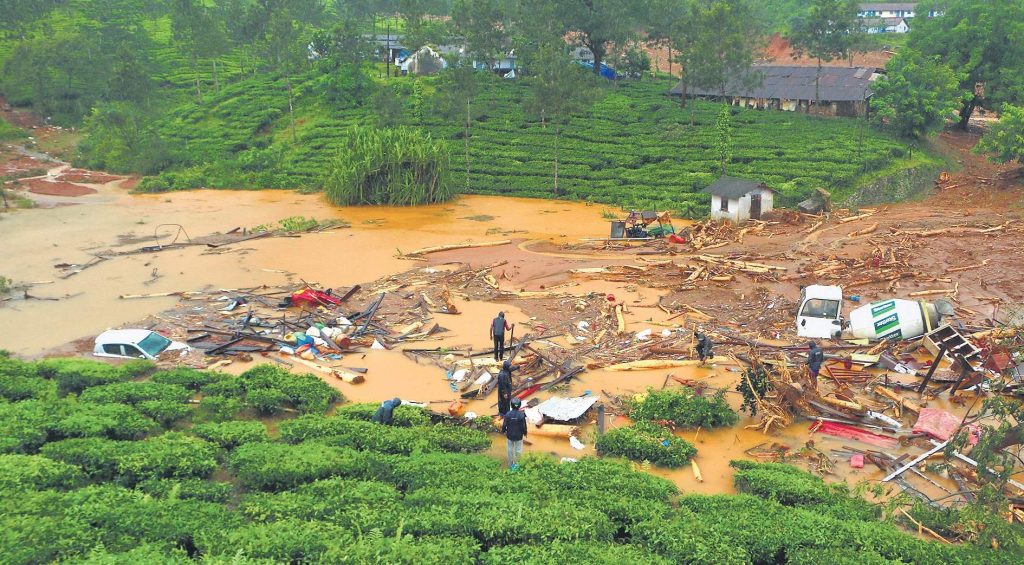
(135, 344)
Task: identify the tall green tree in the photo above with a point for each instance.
(678, 22)
(458, 87)
(597, 25)
(827, 32)
(1005, 139)
(981, 41)
(916, 94)
(199, 34)
(726, 37)
(558, 89)
(723, 138)
(283, 49)
(481, 25)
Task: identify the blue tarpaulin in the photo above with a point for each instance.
(606, 71)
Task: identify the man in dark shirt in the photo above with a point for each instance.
(505, 387)
(514, 428)
(704, 345)
(498, 327)
(815, 357)
(384, 414)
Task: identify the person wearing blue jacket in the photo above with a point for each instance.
(514, 428)
(386, 412)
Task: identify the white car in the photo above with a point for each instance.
(134, 344)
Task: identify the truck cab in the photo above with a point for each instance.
(819, 315)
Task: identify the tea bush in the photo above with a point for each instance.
(403, 416)
(270, 389)
(35, 472)
(384, 439)
(230, 435)
(191, 379)
(351, 491)
(792, 487)
(566, 553)
(685, 407)
(644, 441)
(171, 455)
(76, 375)
(134, 393)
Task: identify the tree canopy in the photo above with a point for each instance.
(981, 41)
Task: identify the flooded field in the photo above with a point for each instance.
(66, 295)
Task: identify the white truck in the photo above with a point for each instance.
(819, 316)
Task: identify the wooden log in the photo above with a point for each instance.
(438, 248)
(620, 320)
(650, 364)
(967, 267)
(870, 229)
(855, 218)
(696, 471)
(908, 404)
(347, 376)
(554, 430)
(845, 405)
(932, 292)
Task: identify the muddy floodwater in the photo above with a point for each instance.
(72, 230)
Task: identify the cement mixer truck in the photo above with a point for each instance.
(820, 316)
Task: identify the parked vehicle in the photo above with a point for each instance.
(134, 344)
(820, 316)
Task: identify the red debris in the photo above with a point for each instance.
(857, 461)
(852, 432)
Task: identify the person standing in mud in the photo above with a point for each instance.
(704, 345)
(505, 387)
(498, 327)
(514, 428)
(815, 357)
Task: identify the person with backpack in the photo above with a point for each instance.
(514, 428)
(505, 387)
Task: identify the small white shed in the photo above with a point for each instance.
(739, 200)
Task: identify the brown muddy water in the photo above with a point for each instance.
(34, 241)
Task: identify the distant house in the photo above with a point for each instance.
(885, 25)
(887, 10)
(842, 91)
(389, 45)
(739, 200)
(890, 17)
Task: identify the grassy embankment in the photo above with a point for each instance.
(106, 464)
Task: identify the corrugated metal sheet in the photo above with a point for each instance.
(837, 84)
(565, 409)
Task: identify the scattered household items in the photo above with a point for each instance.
(135, 344)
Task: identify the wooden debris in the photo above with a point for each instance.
(439, 248)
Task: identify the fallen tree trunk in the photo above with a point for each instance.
(450, 247)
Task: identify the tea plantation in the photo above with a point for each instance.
(105, 464)
(635, 146)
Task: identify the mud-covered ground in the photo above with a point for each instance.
(966, 239)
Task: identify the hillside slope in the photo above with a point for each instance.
(636, 145)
